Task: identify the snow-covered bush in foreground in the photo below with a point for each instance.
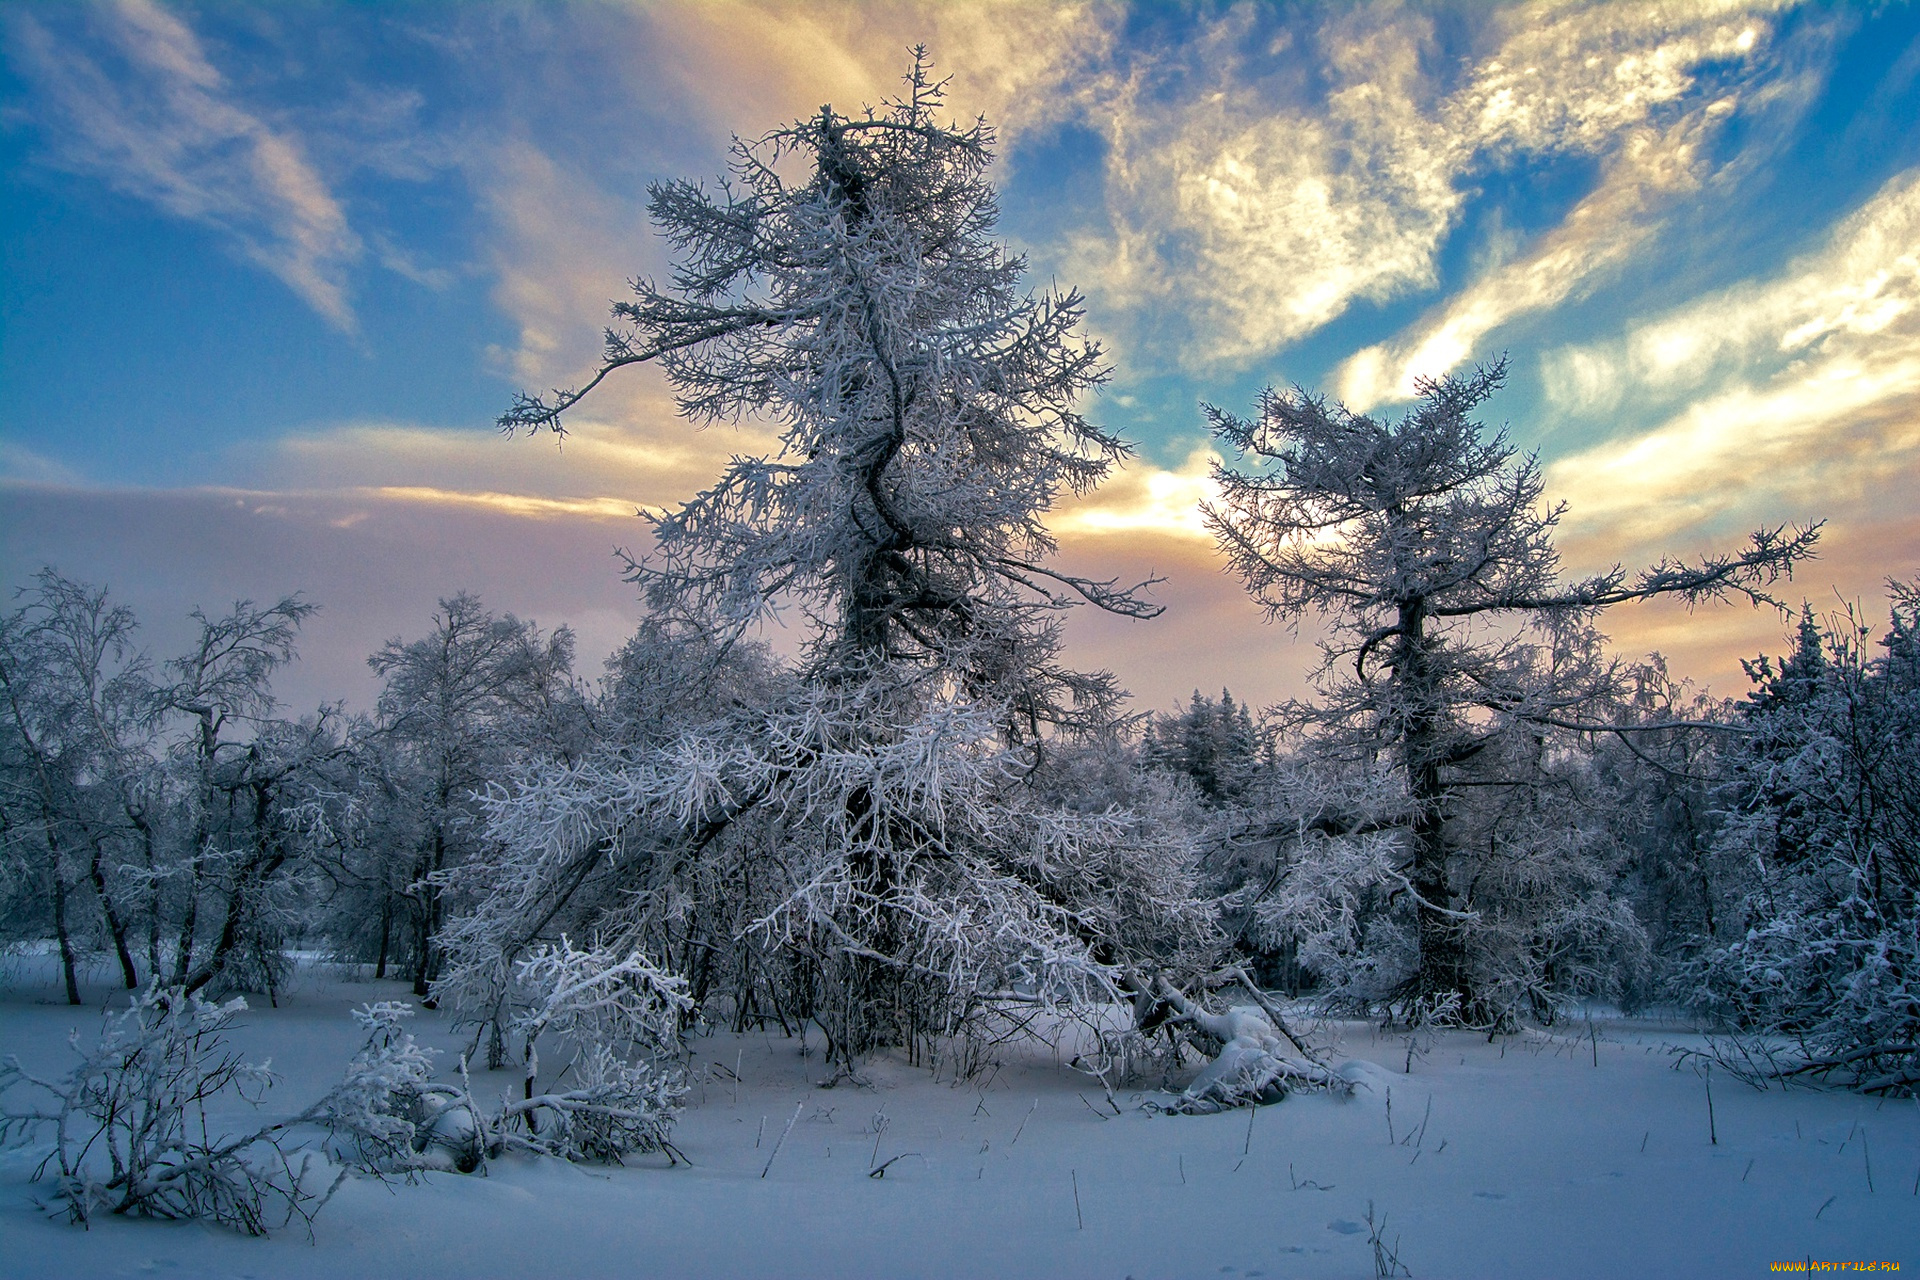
(134, 1129)
(130, 1126)
(380, 1113)
(622, 1015)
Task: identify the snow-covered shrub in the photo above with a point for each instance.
(378, 1114)
(1547, 919)
(614, 1108)
(870, 858)
(621, 1017)
(130, 1126)
(1252, 1063)
(1307, 864)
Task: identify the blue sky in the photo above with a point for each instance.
(270, 271)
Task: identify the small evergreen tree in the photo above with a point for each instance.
(1824, 810)
(1214, 744)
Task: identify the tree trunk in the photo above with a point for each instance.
(386, 935)
(138, 817)
(202, 831)
(115, 929)
(264, 861)
(183, 949)
(428, 923)
(60, 918)
(1442, 973)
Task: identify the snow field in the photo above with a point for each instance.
(1519, 1158)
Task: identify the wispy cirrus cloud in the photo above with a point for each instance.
(137, 102)
(1597, 237)
(561, 249)
(568, 231)
(750, 65)
(1260, 208)
(1798, 392)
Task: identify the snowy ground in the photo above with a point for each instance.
(1532, 1161)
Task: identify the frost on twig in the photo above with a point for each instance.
(381, 1114)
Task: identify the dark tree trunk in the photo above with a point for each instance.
(60, 918)
(258, 868)
(1442, 973)
(115, 928)
(138, 817)
(386, 935)
(202, 830)
(427, 920)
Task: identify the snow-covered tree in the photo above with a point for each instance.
(172, 803)
(77, 724)
(928, 408)
(1212, 743)
(1823, 812)
(1679, 877)
(859, 834)
(460, 706)
(230, 785)
(1427, 544)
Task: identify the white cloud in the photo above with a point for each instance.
(1597, 237)
(1260, 211)
(752, 65)
(601, 466)
(1142, 498)
(21, 465)
(145, 109)
(1794, 395)
(569, 230)
(562, 249)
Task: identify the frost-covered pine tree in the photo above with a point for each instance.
(858, 836)
(1427, 544)
(1822, 812)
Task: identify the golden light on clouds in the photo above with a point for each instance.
(1224, 183)
(513, 504)
(1793, 396)
(1142, 498)
(1597, 237)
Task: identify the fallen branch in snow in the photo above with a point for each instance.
(880, 1171)
(1250, 1067)
(1878, 1068)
